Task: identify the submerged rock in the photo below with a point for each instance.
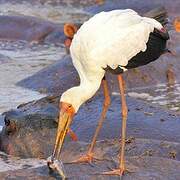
(28, 129)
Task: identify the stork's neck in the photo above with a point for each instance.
(79, 94)
(88, 89)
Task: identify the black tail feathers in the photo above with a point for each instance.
(159, 13)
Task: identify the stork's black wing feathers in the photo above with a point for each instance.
(159, 13)
(161, 34)
(156, 46)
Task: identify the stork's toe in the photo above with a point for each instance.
(87, 158)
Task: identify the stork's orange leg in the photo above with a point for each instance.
(121, 169)
(107, 100)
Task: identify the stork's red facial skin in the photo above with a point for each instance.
(67, 108)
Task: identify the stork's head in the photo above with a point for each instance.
(69, 104)
(72, 98)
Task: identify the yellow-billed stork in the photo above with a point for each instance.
(113, 41)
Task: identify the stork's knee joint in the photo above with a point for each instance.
(124, 112)
(107, 102)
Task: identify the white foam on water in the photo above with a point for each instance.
(161, 90)
(159, 97)
(13, 96)
(162, 95)
(174, 108)
(15, 163)
(140, 95)
(115, 93)
(163, 103)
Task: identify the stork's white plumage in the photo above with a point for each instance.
(109, 40)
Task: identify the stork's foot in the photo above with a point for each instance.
(50, 163)
(117, 172)
(56, 165)
(87, 158)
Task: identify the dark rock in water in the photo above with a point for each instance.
(30, 131)
(29, 29)
(142, 166)
(140, 6)
(28, 128)
(55, 37)
(59, 77)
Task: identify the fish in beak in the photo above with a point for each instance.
(65, 118)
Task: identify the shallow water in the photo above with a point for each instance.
(46, 11)
(160, 95)
(19, 60)
(163, 95)
(13, 163)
